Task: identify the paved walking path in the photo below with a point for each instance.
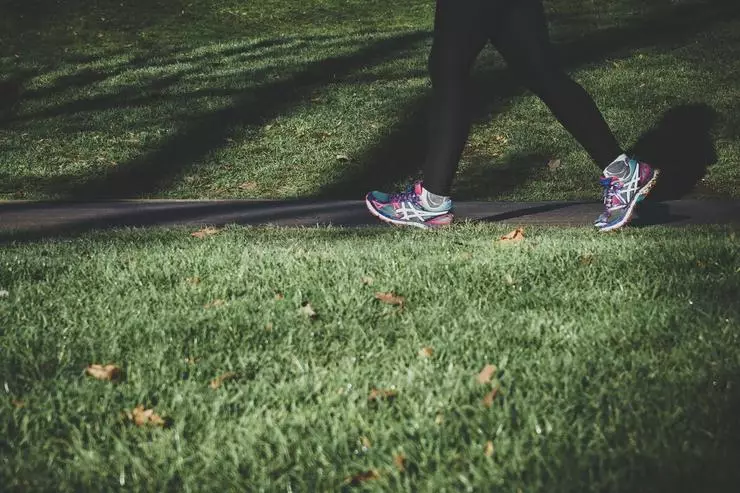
(41, 219)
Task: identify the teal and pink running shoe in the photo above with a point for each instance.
(626, 183)
(408, 208)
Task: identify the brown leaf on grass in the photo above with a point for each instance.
(208, 231)
(490, 397)
(193, 280)
(109, 373)
(18, 404)
(516, 235)
(488, 449)
(362, 477)
(219, 380)
(307, 310)
(142, 417)
(382, 395)
(586, 259)
(214, 304)
(248, 186)
(426, 352)
(367, 281)
(399, 460)
(390, 298)
(485, 374)
(554, 164)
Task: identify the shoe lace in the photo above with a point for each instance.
(612, 188)
(408, 195)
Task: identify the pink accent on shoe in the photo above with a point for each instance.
(646, 172)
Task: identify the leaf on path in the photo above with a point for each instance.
(248, 186)
(485, 374)
(490, 397)
(390, 299)
(554, 164)
(516, 235)
(382, 395)
(426, 352)
(307, 310)
(399, 460)
(362, 477)
(208, 231)
(488, 449)
(215, 304)
(142, 417)
(219, 380)
(108, 372)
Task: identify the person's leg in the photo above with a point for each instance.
(521, 36)
(522, 39)
(460, 33)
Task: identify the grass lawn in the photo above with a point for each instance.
(617, 361)
(282, 99)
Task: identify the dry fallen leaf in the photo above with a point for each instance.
(490, 397)
(362, 477)
(279, 296)
(488, 449)
(214, 304)
(219, 380)
(141, 417)
(367, 281)
(307, 310)
(399, 460)
(107, 372)
(554, 164)
(193, 280)
(486, 373)
(18, 404)
(248, 186)
(516, 235)
(382, 394)
(426, 352)
(208, 231)
(390, 298)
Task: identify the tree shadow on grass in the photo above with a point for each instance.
(201, 135)
(398, 156)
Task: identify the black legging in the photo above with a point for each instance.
(518, 29)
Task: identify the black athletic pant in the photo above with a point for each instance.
(518, 29)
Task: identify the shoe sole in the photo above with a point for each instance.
(396, 222)
(641, 194)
